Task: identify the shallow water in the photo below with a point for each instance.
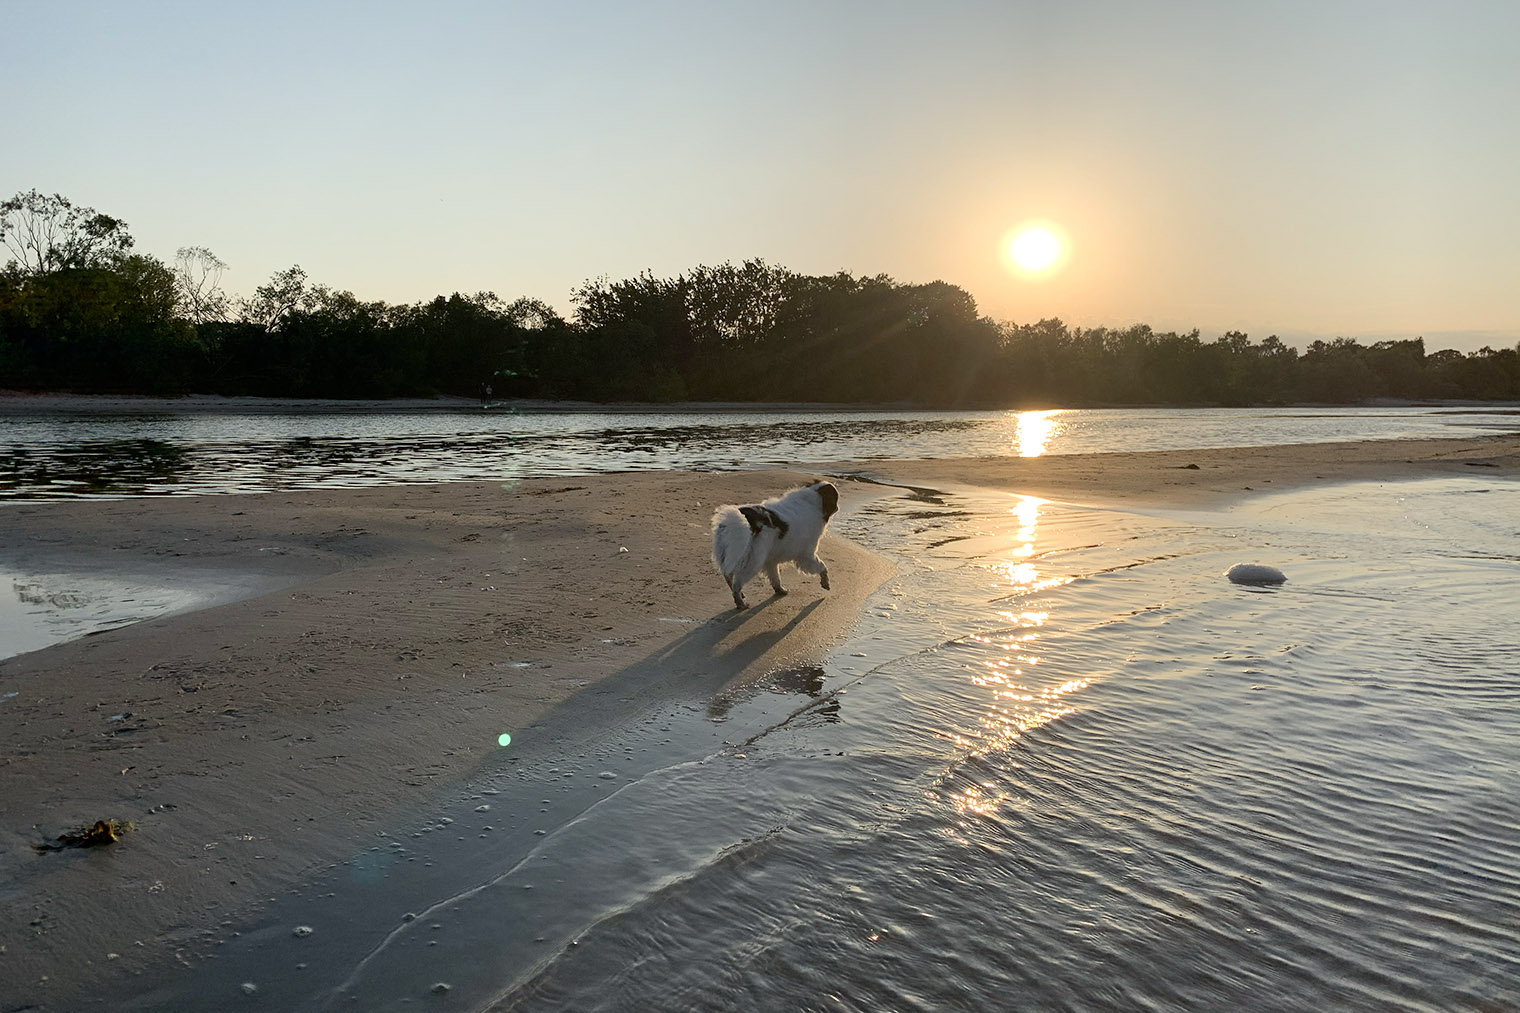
(53, 455)
(37, 610)
(1062, 764)
(42, 608)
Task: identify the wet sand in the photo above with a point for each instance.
(271, 735)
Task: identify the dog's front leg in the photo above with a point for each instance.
(774, 574)
(812, 564)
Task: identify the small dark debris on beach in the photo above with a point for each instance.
(103, 832)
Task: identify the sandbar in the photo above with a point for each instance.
(1204, 479)
(255, 739)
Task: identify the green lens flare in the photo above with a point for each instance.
(503, 739)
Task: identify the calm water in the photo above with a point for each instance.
(72, 454)
(1062, 765)
(41, 608)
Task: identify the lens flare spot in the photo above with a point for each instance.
(503, 740)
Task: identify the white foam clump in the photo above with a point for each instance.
(1255, 573)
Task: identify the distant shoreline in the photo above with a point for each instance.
(23, 403)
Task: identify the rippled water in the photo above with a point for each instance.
(1063, 764)
(73, 454)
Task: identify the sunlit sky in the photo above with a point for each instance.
(1305, 169)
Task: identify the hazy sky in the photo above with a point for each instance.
(1306, 169)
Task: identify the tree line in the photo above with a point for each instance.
(81, 311)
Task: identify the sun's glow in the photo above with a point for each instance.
(1035, 249)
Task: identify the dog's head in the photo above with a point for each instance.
(830, 497)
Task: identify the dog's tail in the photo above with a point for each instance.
(732, 540)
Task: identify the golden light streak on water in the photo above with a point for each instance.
(973, 801)
(1028, 513)
(1016, 710)
(1015, 707)
(1026, 579)
(1025, 576)
(1026, 619)
(1033, 430)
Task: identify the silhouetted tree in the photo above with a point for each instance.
(1399, 367)
(275, 300)
(1335, 371)
(101, 328)
(50, 233)
(197, 277)
(79, 311)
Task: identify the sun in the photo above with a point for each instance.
(1035, 249)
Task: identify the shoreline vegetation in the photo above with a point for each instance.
(81, 312)
(27, 402)
(257, 741)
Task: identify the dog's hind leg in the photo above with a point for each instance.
(738, 592)
(749, 567)
(774, 574)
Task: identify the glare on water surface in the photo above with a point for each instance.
(1033, 431)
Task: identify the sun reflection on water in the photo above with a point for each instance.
(1028, 513)
(1033, 430)
(1018, 703)
(1016, 707)
(1023, 574)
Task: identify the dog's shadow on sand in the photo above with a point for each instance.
(723, 640)
(702, 665)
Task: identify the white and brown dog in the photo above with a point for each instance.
(748, 539)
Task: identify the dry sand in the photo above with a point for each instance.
(268, 736)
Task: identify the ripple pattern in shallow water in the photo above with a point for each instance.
(1188, 796)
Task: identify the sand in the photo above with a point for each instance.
(267, 735)
(398, 631)
(1207, 479)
